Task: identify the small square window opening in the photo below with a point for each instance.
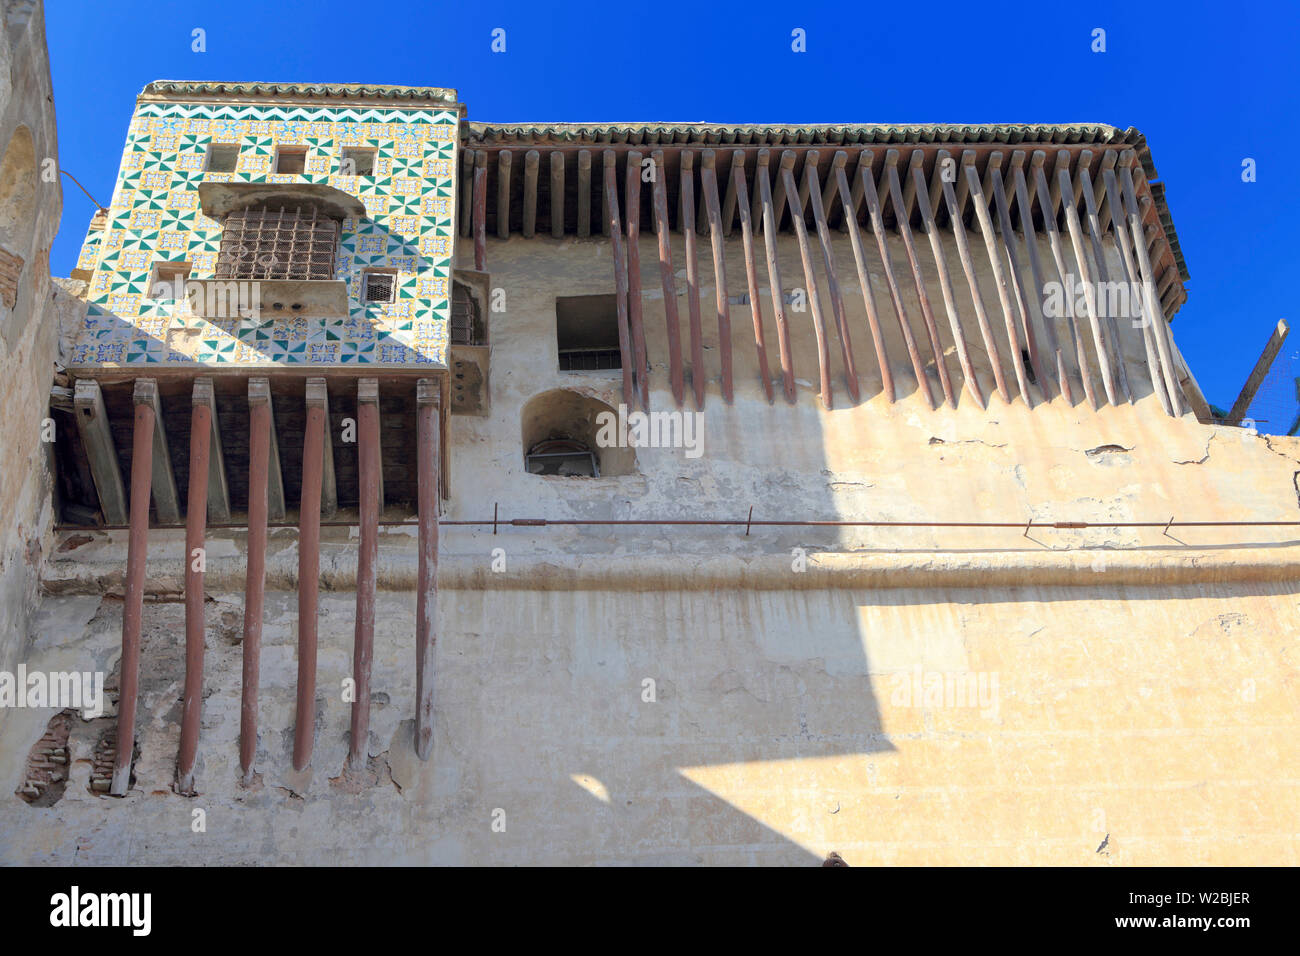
(357, 162)
(167, 281)
(222, 157)
(291, 161)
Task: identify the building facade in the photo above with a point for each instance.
(647, 493)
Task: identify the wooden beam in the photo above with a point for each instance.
(943, 161)
(196, 511)
(977, 300)
(1108, 202)
(1062, 163)
(667, 277)
(1128, 263)
(620, 277)
(557, 194)
(905, 232)
(945, 283)
(260, 431)
(774, 277)
(709, 187)
(584, 193)
(465, 194)
(786, 162)
(1155, 313)
(428, 402)
(314, 453)
(740, 191)
(831, 191)
(218, 505)
(1099, 337)
(832, 281)
(166, 499)
(480, 211)
(729, 196)
(810, 158)
(916, 160)
(850, 222)
(1103, 273)
(963, 184)
(687, 225)
(878, 227)
(505, 159)
(275, 507)
(632, 199)
(980, 203)
(810, 279)
(855, 194)
(329, 495)
(1025, 207)
(145, 401)
(101, 452)
(1043, 194)
(532, 160)
(1021, 294)
(368, 468)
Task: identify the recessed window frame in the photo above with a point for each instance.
(165, 272)
(582, 346)
(370, 151)
(282, 152)
(225, 149)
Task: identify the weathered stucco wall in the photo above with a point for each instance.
(1135, 692)
(1159, 722)
(30, 203)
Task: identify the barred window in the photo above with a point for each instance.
(379, 286)
(276, 241)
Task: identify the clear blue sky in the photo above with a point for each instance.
(1207, 86)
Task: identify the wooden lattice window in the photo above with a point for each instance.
(277, 241)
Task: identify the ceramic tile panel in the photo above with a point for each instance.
(155, 218)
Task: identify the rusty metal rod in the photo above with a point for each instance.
(196, 513)
(543, 522)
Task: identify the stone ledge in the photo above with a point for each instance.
(825, 570)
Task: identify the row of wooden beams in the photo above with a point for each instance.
(203, 440)
(97, 440)
(990, 198)
(918, 279)
(1072, 158)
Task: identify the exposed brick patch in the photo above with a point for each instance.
(46, 775)
(11, 267)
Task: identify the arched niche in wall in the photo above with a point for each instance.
(563, 423)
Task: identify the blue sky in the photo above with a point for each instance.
(1207, 86)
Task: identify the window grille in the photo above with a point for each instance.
(379, 286)
(563, 457)
(589, 360)
(278, 243)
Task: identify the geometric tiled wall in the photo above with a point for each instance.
(155, 216)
